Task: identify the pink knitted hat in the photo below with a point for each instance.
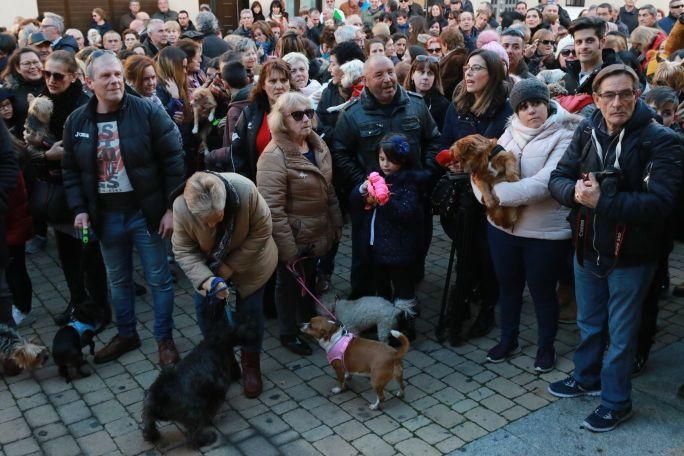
(496, 48)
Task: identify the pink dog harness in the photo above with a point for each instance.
(336, 352)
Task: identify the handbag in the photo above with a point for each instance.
(48, 203)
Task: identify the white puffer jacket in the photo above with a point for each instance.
(538, 152)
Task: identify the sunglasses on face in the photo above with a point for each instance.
(568, 52)
(427, 58)
(59, 77)
(434, 50)
(548, 42)
(299, 115)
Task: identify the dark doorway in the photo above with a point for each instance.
(227, 12)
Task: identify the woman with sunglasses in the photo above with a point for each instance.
(423, 78)
(480, 106)
(305, 213)
(82, 263)
(565, 52)
(435, 47)
(99, 21)
(539, 55)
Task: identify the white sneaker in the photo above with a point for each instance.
(19, 317)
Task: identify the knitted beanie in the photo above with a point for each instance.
(526, 90)
(566, 41)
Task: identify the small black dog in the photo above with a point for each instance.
(67, 346)
(192, 391)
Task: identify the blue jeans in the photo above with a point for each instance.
(250, 308)
(537, 262)
(608, 314)
(119, 232)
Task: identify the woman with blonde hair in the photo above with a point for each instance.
(174, 29)
(222, 231)
(540, 55)
(645, 39)
(305, 212)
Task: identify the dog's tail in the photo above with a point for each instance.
(407, 307)
(403, 348)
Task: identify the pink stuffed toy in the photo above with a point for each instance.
(378, 191)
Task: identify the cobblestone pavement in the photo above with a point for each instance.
(452, 396)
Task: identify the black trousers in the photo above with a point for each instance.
(84, 272)
(18, 278)
(649, 310)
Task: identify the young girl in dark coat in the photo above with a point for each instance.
(393, 228)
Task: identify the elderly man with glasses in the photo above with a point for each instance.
(52, 27)
(621, 177)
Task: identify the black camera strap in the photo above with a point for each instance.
(495, 151)
(581, 238)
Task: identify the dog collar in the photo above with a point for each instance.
(498, 148)
(81, 327)
(338, 349)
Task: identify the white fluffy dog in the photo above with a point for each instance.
(364, 313)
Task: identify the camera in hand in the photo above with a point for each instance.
(609, 180)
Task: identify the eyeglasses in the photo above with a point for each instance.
(299, 115)
(427, 58)
(548, 42)
(474, 68)
(677, 6)
(32, 63)
(59, 77)
(568, 52)
(625, 95)
(434, 50)
(403, 1)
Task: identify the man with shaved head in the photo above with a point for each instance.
(383, 107)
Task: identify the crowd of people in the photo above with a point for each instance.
(100, 142)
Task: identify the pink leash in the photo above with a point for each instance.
(299, 277)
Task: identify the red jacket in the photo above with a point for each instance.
(18, 222)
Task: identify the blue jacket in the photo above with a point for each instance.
(396, 229)
(458, 125)
(667, 23)
(646, 191)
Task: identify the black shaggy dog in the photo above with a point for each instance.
(192, 391)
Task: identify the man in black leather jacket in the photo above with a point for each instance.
(123, 157)
(383, 107)
(621, 176)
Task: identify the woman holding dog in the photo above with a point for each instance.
(535, 249)
(480, 107)
(294, 175)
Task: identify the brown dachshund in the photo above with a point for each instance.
(488, 164)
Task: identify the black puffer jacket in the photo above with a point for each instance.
(364, 122)
(243, 156)
(651, 177)
(22, 88)
(330, 97)
(150, 148)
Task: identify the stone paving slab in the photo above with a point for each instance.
(655, 428)
(454, 401)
